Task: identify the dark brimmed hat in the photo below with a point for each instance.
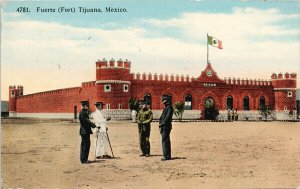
(84, 103)
(99, 103)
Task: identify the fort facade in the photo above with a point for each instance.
(115, 84)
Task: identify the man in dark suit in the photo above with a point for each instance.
(85, 131)
(165, 125)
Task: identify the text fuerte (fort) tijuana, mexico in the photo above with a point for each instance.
(83, 10)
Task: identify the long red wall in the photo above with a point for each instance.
(58, 101)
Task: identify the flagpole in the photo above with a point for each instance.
(207, 47)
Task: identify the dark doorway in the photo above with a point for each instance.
(246, 103)
(229, 103)
(262, 102)
(209, 109)
(188, 102)
(75, 112)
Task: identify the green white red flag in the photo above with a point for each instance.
(214, 42)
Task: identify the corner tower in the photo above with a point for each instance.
(14, 93)
(113, 82)
(284, 91)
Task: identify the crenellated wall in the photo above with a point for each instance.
(160, 77)
(238, 81)
(115, 84)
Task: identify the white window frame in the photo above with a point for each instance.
(119, 106)
(107, 90)
(108, 106)
(285, 108)
(290, 94)
(125, 90)
(12, 93)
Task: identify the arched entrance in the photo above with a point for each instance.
(209, 109)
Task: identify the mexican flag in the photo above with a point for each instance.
(214, 42)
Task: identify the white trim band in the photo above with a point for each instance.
(112, 81)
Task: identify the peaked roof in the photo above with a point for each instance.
(209, 75)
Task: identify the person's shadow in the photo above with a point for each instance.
(175, 158)
(103, 160)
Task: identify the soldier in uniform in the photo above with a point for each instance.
(144, 119)
(236, 115)
(165, 125)
(85, 131)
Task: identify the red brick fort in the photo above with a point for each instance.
(115, 84)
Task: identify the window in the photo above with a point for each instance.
(12, 93)
(188, 102)
(107, 88)
(262, 102)
(21, 93)
(108, 106)
(125, 88)
(229, 103)
(285, 108)
(120, 106)
(246, 103)
(289, 94)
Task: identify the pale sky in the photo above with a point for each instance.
(47, 51)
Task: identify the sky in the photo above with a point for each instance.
(50, 50)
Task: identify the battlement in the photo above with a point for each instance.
(161, 77)
(88, 84)
(246, 81)
(285, 76)
(13, 87)
(113, 64)
(284, 81)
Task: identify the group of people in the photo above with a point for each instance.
(232, 115)
(89, 120)
(144, 117)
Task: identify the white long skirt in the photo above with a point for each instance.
(102, 144)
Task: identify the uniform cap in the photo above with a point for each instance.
(99, 103)
(83, 103)
(166, 98)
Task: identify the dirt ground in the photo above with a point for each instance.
(45, 154)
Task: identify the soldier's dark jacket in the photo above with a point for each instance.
(85, 122)
(165, 119)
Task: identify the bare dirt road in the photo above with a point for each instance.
(45, 154)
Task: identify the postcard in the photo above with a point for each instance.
(95, 94)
